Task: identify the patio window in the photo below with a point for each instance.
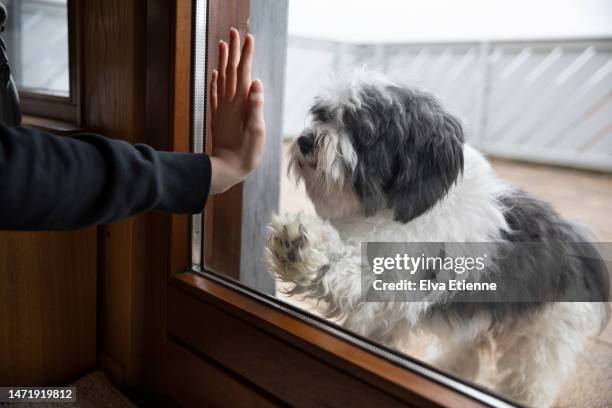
(537, 108)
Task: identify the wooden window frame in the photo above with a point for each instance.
(263, 341)
(214, 341)
(53, 107)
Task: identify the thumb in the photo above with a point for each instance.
(255, 128)
(255, 108)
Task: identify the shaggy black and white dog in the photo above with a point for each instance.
(383, 162)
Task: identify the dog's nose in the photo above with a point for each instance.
(306, 144)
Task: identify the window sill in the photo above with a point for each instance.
(50, 125)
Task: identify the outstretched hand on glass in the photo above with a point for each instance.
(238, 126)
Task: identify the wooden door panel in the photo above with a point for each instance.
(196, 382)
(273, 365)
(47, 306)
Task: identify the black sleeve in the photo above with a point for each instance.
(54, 183)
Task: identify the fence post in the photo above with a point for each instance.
(484, 90)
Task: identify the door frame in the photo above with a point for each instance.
(206, 333)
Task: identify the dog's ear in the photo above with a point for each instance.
(429, 161)
(410, 151)
(370, 139)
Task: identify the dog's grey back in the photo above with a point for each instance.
(542, 259)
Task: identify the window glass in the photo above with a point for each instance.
(442, 164)
(37, 42)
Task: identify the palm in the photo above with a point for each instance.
(237, 108)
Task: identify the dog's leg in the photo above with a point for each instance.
(460, 359)
(308, 252)
(456, 344)
(301, 248)
(541, 354)
(370, 320)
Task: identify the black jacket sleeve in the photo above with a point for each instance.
(54, 183)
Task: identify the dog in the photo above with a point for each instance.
(385, 162)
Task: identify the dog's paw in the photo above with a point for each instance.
(296, 251)
(288, 242)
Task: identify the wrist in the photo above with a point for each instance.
(223, 175)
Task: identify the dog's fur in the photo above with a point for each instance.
(388, 163)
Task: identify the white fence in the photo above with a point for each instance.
(542, 101)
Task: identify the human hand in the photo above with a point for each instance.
(238, 126)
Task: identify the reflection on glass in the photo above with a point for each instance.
(37, 40)
(461, 129)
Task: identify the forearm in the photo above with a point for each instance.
(51, 183)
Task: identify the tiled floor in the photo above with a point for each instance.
(581, 196)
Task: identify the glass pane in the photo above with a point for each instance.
(446, 160)
(37, 41)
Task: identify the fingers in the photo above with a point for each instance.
(223, 56)
(214, 102)
(255, 126)
(234, 75)
(244, 68)
(232, 63)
